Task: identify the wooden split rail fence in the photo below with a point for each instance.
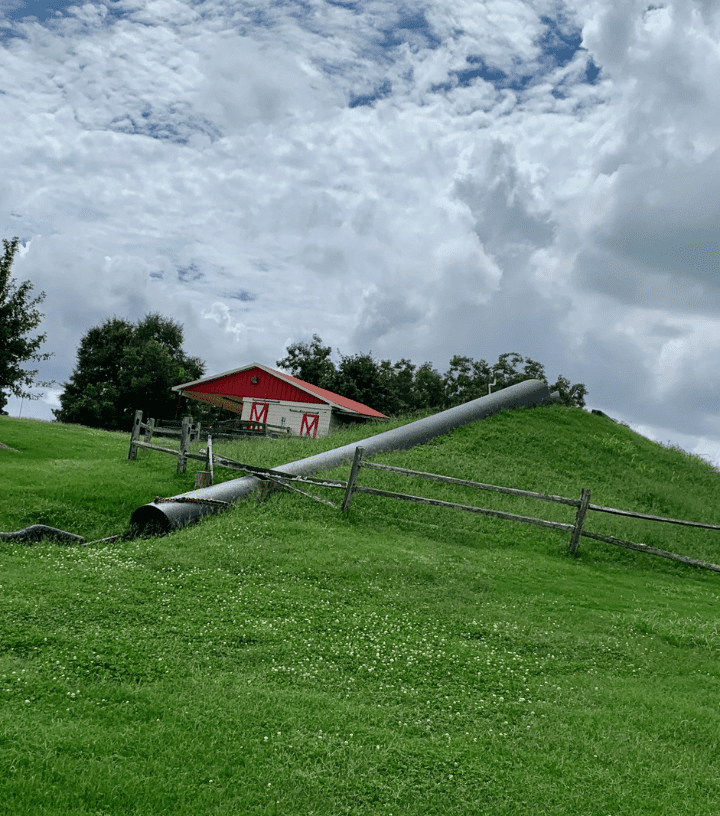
(271, 480)
(576, 530)
(188, 432)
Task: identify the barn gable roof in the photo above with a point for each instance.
(248, 382)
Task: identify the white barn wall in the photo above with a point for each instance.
(290, 415)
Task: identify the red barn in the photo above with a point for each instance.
(261, 394)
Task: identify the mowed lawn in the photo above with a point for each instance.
(282, 658)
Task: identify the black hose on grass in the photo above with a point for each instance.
(42, 532)
(39, 532)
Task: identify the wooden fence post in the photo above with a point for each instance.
(149, 429)
(209, 465)
(184, 445)
(206, 478)
(579, 521)
(135, 435)
(347, 501)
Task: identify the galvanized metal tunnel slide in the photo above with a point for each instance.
(161, 518)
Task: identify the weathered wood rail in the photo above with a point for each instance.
(576, 530)
(240, 428)
(188, 432)
(271, 479)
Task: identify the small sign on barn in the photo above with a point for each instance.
(271, 397)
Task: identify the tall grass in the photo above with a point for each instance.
(282, 658)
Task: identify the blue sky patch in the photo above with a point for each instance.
(175, 124)
(412, 29)
(480, 70)
(560, 45)
(346, 4)
(382, 91)
(189, 273)
(242, 294)
(46, 12)
(591, 73)
(42, 9)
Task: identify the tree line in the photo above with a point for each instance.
(124, 366)
(402, 387)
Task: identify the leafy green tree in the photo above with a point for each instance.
(506, 372)
(398, 387)
(310, 362)
(388, 387)
(466, 380)
(401, 388)
(533, 370)
(123, 367)
(18, 316)
(358, 378)
(571, 395)
(429, 388)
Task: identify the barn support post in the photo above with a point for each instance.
(184, 445)
(169, 515)
(135, 435)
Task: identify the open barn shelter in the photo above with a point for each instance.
(269, 397)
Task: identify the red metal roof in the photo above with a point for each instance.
(224, 389)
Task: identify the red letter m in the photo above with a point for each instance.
(259, 412)
(309, 425)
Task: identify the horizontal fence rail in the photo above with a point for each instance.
(479, 485)
(483, 511)
(271, 479)
(576, 530)
(188, 432)
(646, 548)
(599, 508)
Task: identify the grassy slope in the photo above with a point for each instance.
(283, 659)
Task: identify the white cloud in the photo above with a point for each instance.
(51, 397)
(220, 314)
(417, 179)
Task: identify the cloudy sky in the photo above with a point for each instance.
(415, 179)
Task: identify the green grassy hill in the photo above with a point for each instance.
(282, 658)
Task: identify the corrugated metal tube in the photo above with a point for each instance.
(170, 515)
